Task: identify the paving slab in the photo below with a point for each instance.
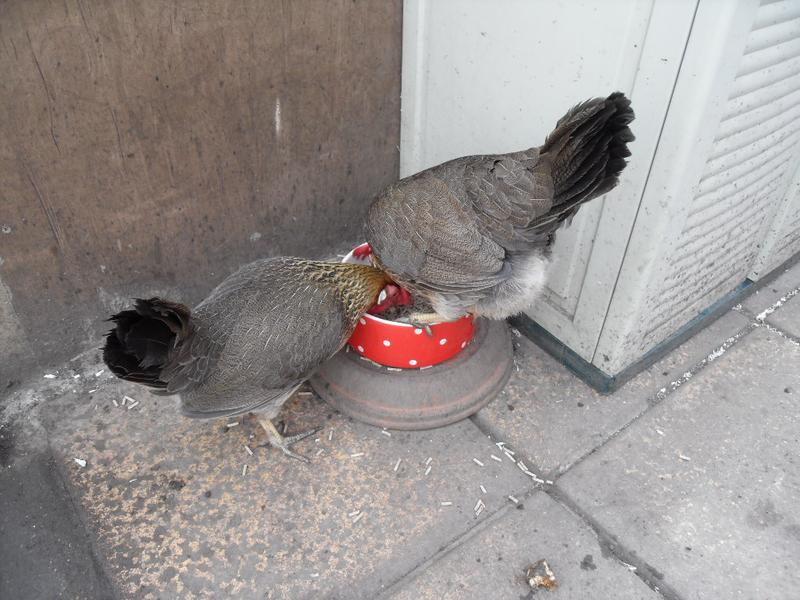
(175, 515)
(787, 316)
(705, 486)
(766, 296)
(492, 563)
(553, 418)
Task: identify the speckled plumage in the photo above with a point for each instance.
(251, 342)
(473, 234)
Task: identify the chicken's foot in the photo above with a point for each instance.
(282, 443)
(423, 321)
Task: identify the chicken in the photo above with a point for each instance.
(474, 234)
(250, 344)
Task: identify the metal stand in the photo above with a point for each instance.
(420, 398)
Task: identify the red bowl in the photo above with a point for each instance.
(404, 346)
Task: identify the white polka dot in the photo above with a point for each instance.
(362, 321)
(387, 343)
(442, 341)
(463, 344)
(412, 362)
(418, 331)
(361, 348)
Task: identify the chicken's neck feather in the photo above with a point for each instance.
(357, 285)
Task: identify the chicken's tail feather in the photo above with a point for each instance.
(587, 150)
(139, 347)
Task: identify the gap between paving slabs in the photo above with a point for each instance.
(773, 289)
(555, 420)
(502, 453)
(546, 424)
(490, 520)
(609, 544)
(776, 305)
(491, 561)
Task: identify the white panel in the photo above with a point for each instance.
(481, 76)
(738, 194)
(656, 287)
(714, 241)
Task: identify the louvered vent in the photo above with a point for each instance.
(746, 174)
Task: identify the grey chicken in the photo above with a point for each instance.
(250, 344)
(474, 234)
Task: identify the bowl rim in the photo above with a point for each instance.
(349, 258)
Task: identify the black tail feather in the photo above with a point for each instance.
(588, 149)
(139, 346)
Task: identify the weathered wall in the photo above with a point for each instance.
(154, 146)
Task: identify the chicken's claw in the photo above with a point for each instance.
(276, 440)
(424, 321)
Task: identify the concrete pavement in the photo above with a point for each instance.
(681, 485)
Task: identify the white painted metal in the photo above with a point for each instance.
(729, 147)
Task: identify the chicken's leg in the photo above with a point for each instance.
(282, 443)
(424, 321)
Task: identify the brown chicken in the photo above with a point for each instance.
(474, 234)
(250, 344)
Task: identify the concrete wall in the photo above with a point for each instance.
(153, 147)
